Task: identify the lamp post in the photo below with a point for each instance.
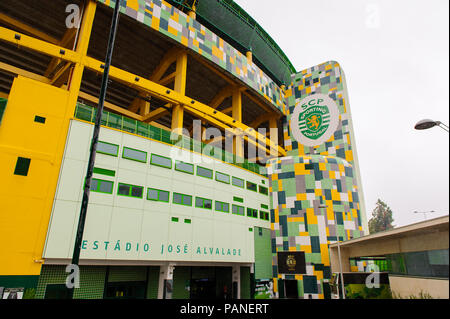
(424, 213)
(427, 123)
(322, 205)
(94, 141)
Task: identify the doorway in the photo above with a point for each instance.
(291, 289)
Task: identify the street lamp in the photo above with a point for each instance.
(427, 123)
(424, 213)
(322, 205)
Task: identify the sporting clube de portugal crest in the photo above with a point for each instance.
(314, 120)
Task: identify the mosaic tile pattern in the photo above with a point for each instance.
(298, 186)
(309, 176)
(175, 24)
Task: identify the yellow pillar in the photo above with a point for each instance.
(249, 57)
(74, 90)
(237, 115)
(180, 87)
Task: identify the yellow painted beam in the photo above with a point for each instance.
(38, 45)
(236, 113)
(111, 106)
(179, 87)
(173, 97)
(221, 96)
(27, 29)
(17, 71)
(155, 114)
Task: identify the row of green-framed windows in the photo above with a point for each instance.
(238, 182)
(130, 190)
(203, 203)
(107, 148)
(238, 210)
(135, 155)
(204, 172)
(263, 190)
(263, 215)
(157, 195)
(221, 177)
(222, 207)
(252, 186)
(184, 167)
(252, 212)
(162, 161)
(182, 199)
(101, 186)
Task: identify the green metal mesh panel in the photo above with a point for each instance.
(88, 113)
(231, 22)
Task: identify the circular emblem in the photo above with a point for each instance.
(314, 120)
(291, 262)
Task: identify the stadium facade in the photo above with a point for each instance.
(220, 170)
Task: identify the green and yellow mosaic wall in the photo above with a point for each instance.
(315, 190)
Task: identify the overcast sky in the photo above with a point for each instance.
(395, 55)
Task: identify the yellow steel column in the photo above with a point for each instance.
(74, 85)
(180, 87)
(237, 116)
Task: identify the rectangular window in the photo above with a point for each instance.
(134, 155)
(39, 119)
(204, 172)
(130, 190)
(104, 171)
(222, 207)
(263, 215)
(224, 178)
(264, 206)
(107, 148)
(182, 199)
(238, 182)
(263, 190)
(22, 166)
(252, 186)
(203, 203)
(252, 212)
(161, 161)
(101, 186)
(157, 195)
(184, 167)
(238, 210)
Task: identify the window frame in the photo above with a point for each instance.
(265, 213)
(252, 210)
(238, 206)
(263, 187)
(133, 159)
(229, 177)
(182, 171)
(99, 181)
(110, 154)
(182, 199)
(221, 206)
(159, 194)
(203, 202)
(247, 188)
(167, 158)
(243, 182)
(208, 169)
(131, 190)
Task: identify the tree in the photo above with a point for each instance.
(381, 218)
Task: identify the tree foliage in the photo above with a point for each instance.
(381, 218)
